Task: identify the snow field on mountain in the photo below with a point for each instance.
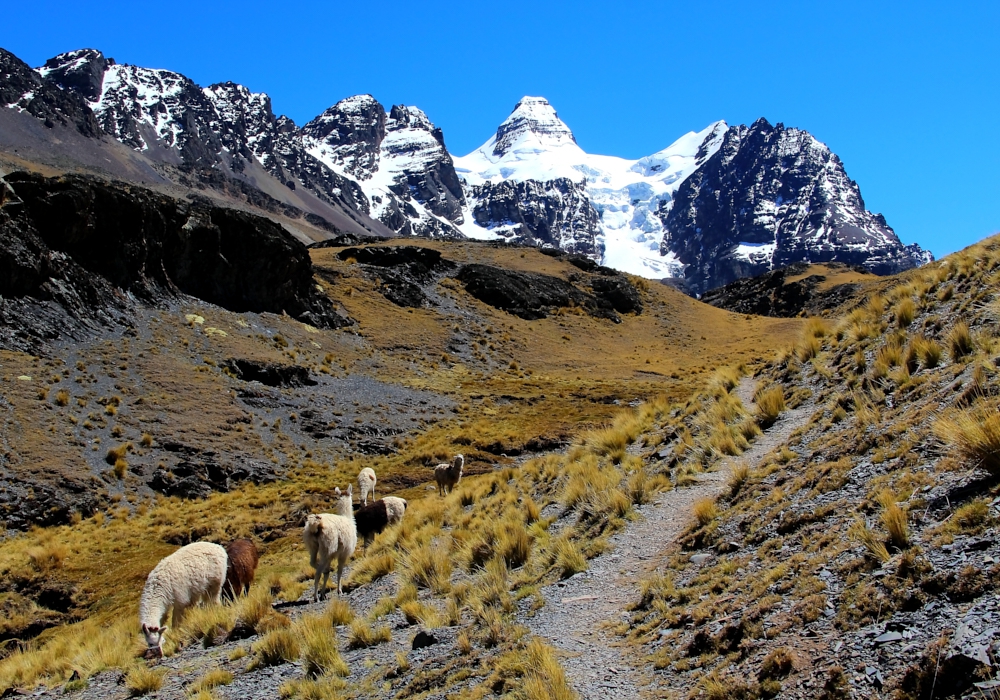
(534, 144)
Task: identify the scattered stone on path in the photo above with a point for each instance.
(578, 599)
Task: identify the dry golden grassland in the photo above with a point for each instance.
(475, 554)
(847, 496)
(835, 276)
(487, 546)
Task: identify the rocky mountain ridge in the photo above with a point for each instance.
(717, 205)
(77, 252)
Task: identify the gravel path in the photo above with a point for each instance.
(579, 611)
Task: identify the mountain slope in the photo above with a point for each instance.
(856, 556)
(717, 205)
(771, 196)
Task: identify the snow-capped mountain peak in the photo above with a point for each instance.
(616, 198)
(532, 127)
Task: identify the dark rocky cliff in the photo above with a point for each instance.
(75, 251)
(550, 214)
(786, 292)
(769, 197)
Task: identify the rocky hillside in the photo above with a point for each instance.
(856, 557)
(799, 289)
(77, 252)
(715, 206)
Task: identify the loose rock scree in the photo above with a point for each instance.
(193, 574)
(331, 535)
(448, 475)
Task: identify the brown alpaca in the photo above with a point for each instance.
(243, 560)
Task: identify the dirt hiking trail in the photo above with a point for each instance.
(580, 610)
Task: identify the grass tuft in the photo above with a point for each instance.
(339, 612)
(362, 635)
(142, 680)
(738, 476)
(322, 652)
(212, 679)
(960, 341)
(770, 405)
(705, 511)
(929, 351)
(430, 567)
(905, 311)
(894, 519)
(569, 560)
(976, 436)
(860, 532)
(275, 648)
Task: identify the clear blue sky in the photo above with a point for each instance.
(907, 93)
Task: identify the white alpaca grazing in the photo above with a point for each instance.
(448, 475)
(193, 574)
(394, 509)
(366, 484)
(327, 536)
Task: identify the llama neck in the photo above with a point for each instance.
(152, 606)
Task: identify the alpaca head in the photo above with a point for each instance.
(345, 499)
(459, 463)
(154, 638)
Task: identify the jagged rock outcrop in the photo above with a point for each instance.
(23, 89)
(402, 271)
(76, 250)
(769, 197)
(400, 160)
(555, 214)
(533, 296)
(772, 294)
(350, 134)
(415, 155)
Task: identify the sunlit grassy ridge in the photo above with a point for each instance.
(905, 390)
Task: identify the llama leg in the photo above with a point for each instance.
(316, 586)
(214, 593)
(178, 615)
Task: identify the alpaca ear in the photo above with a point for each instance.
(350, 490)
(144, 628)
(336, 490)
(163, 630)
